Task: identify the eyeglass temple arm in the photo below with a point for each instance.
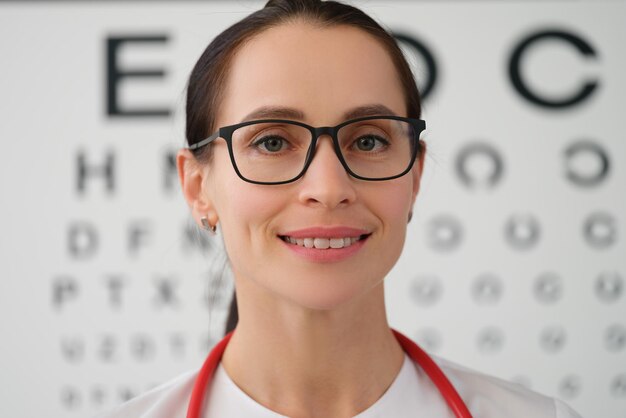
(204, 141)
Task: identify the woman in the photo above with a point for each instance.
(312, 220)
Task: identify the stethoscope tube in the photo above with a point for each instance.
(449, 393)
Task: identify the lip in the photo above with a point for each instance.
(328, 255)
(326, 232)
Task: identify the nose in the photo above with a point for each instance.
(326, 183)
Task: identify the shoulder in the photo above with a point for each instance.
(168, 400)
(489, 396)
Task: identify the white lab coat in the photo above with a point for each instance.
(412, 394)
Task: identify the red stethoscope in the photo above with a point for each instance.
(418, 355)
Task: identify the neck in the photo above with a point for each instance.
(305, 362)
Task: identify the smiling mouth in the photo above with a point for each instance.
(323, 243)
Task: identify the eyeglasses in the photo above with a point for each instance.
(277, 151)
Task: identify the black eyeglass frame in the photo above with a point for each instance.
(226, 133)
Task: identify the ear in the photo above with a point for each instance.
(417, 170)
(192, 176)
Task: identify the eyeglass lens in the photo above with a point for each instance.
(276, 152)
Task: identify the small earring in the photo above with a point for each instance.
(206, 225)
(410, 216)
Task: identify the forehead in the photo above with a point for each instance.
(322, 71)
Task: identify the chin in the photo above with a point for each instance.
(326, 296)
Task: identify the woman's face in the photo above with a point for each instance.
(323, 73)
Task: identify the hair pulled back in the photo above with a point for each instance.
(208, 79)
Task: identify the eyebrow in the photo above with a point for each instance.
(280, 112)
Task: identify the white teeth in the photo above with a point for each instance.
(336, 243)
(322, 243)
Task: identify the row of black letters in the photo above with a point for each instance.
(110, 349)
(551, 339)
(115, 73)
(74, 398)
(444, 233)
(104, 169)
(425, 290)
(487, 289)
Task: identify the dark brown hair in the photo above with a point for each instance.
(208, 78)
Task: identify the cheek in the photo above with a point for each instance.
(239, 204)
(245, 211)
(250, 206)
(391, 202)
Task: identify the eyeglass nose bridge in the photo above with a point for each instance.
(324, 130)
(317, 132)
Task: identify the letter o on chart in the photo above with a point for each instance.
(609, 286)
(587, 164)
(548, 288)
(479, 165)
(426, 290)
(444, 233)
(522, 231)
(599, 230)
(487, 289)
(414, 50)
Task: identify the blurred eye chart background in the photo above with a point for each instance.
(515, 260)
